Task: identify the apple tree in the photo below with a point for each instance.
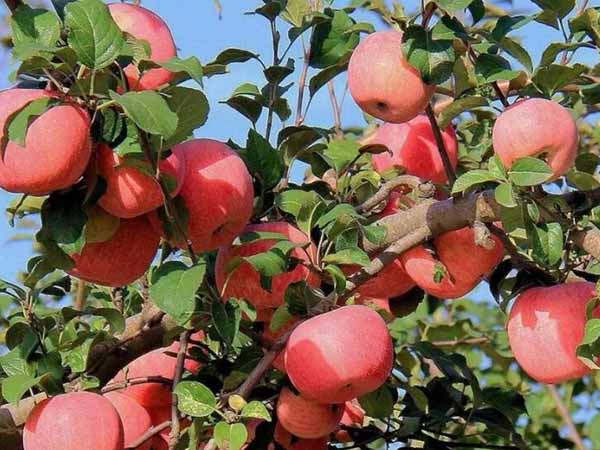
(426, 278)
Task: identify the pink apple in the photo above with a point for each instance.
(354, 417)
(136, 420)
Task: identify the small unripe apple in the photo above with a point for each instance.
(57, 145)
(327, 360)
(136, 420)
(354, 416)
(383, 83)
(414, 149)
(457, 266)
(145, 25)
(120, 260)
(244, 280)
(535, 127)
(73, 421)
(307, 418)
(545, 326)
(217, 191)
(131, 192)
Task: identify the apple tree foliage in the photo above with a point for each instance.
(455, 383)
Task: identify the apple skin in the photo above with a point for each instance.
(42, 166)
(285, 439)
(305, 418)
(413, 148)
(122, 259)
(465, 262)
(354, 416)
(534, 126)
(73, 421)
(328, 361)
(217, 191)
(383, 83)
(545, 326)
(244, 281)
(145, 25)
(131, 192)
(136, 420)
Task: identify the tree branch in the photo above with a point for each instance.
(566, 416)
(175, 425)
(149, 435)
(437, 133)
(425, 189)
(12, 5)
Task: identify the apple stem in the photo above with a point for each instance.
(175, 425)
(437, 133)
(566, 416)
(13, 4)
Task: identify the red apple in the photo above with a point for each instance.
(306, 418)
(41, 166)
(545, 326)
(244, 281)
(413, 148)
(120, 260)
(383, 83)
(145, 25)
(136, 420)
(131, 192)
(73, 421)
(459, 263)
(340, 355)
(354, 416)
(535, 127)
(285, 439)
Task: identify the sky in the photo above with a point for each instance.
(199, 31)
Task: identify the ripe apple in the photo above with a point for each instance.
(329, 361)
(383, 83)
(413, 148)
(354, 416)
(120, 260)
(131, 192)
(459, 263)
(244, 281)
(217, 191)
(306, 418)
(285, 439)
(143, 24)
(73, 421)
(41, 166)
(159, 415)
(545, 326)
(535, 127)
(136, 420)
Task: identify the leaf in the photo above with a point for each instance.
(589, 348)
(505, 195)
(174, 287)
(326, 75)
(18, 126)
(150, 112)
(230, 436)
(453, 6)
(561, 8)
(555, 242)
(379, 403)
(191, 107)
(516, 50)
(302, 205)
(63, 221)
(529, 172)
(195, 399)
(15, 387)
(490, 68)
(550, 79)
(301, 298)
(226, 317)
(34, 26)
(330, 42)
(348, 256)
(248, 107)
(233, 55)
(588, 22)
(256, 410)
(472, 178)
(434, 59)
(554, 49)
(339, 153)
(296, 11)
(93, 33)
(457, 107)
(281, 316)
(190, 66)
(59, 6)
(276, 74)
(263, 161)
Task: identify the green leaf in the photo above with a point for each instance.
(276, 74)
(301, 298)
(281, 316)
(561, 8)
(458, 107)
(190, 66)
(34, 26)
(296, 12)
(174, 287)
(496, 168)
(554, 49)
(195, 399)
(434, 59)
(256, 410)
(529, 172)
(226, 318)
(505, 195)
(326, 75)
(303, 205)
(348, 256)
(330, 41)
(453, 6)
(18, 126)
(588, 22)
(113, 317)
(16, 386)
(150, 112)
(589, 348)
(63, 221)
(555, 242)
(472, 178)
(490, 68)
(339, 153)
(233, 55)
(549, 79)
(379, 403)
(248, 107)
(191, 107)
(263, 161)
(230, 436)
(14, 363)
(59, 6)
(93, 33)
(516, 50)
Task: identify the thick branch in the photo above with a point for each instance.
(424, 189)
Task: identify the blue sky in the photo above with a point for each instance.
(198, 31)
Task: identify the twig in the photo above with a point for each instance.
(80, 296)
(149, 435)
(135, 381)
(428, 13)
(12, 5)
(175, 425)
(337, 115)
(566, 416)
(302, 86)
(425, 189)
(441, 145)
(500, 94)
(454, 343)
(273, 90)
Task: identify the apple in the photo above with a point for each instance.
(131, 192)
(306, 418)
(545, 326)
(217, 191)
(383, 83)
(329, 361)
(120, 260)
(41, 166)
(159, 415)
(414, 149)
(381, 305)
(73, 421)
(354, 416)
(244, 280)
(459, 263)
(143, 24)
(136, 420)
(285, 439)
(535, 127)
